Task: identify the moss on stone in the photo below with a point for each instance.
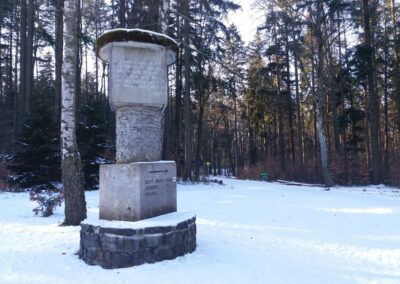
(124, 35)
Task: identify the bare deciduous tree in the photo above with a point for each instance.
(72, 177)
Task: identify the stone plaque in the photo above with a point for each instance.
(138, 75)
(136, 191)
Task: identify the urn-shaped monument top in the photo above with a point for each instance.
(138, 61)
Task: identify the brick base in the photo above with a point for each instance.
(119, 247)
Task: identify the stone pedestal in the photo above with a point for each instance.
(115, 244)
(133, 192)
(139, 186)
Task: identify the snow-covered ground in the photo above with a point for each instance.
(248, 232)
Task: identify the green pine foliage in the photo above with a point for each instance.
(93, 142)
(37, 160)
(47, 200)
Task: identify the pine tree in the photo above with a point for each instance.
(92, 140)
(37, 162)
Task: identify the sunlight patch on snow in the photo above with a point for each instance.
(382, 238)
(373, 260)
(228, 225)
(206, 222)
(363, 280)
(27, 233)
(21, 278)
(379, 211)
(25, 229)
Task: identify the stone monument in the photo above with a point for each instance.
(139, 186)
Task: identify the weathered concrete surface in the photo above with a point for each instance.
(132, 192)
(138, 74)
(140, 131)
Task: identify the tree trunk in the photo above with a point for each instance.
(187, 102)
(386, 96)
(96, 61)
(78, 63)
(314, 107)
(280, 107)
(236, 146)
(22, 75)
(200, 144)
(289, 96)
(29, 55)
(373, 97)
(178, 99)
(275, 145)
(164, 14)
(336, 137)
(396, 73)
(15, 88)
(58, 57)
(72, 176)
(1, 86)
(121, 14)
(9, 88)
(299, 138)
(214, 153)
(342, 99)
(320, 96)
(252, 144)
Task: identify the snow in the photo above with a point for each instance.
(104, 47)
(248, 232)
(170, 219)
(155, 162)
(142, 31)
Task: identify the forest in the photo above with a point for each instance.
(314, 97)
